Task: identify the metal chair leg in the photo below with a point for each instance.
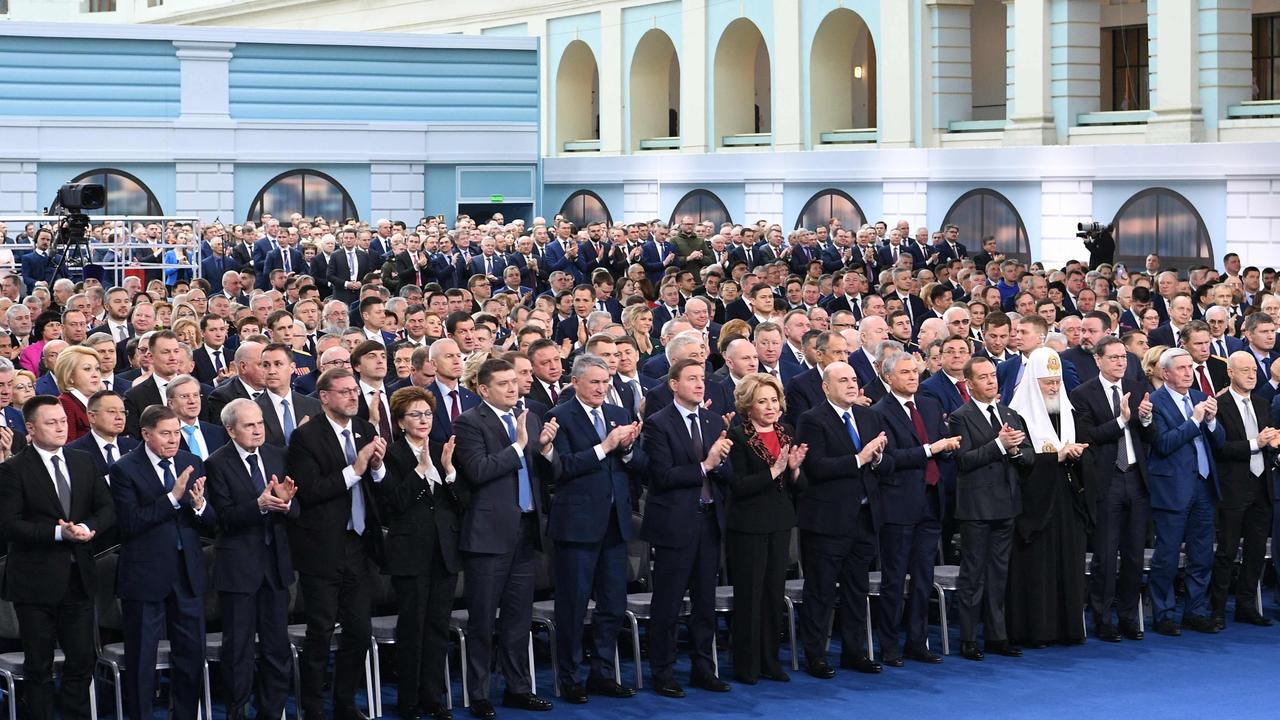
(448, 684)
(93, 698)
(368, 683)
(871, 654)
(462, 647)
(533, 676)
(376, 698)
(942, 618)
(297, 683)
(791, 631)
(12, 693)
(634, 624)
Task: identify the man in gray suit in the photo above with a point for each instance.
(994, 449)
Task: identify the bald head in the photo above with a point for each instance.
(1242, 369)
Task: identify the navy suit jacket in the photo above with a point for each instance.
(651, 257)
(275, 261)
(441, 426)
(675, 476)
(940, 388)
(211, 269)
(151, 528)
(902, 493)
(1171, 466)
(476, 266)
(37, 268)
(661, 316)
(13, 418)
(241, 550)
(214, 436)
(946, 254)
(802, 393)
(589, 489)
(86, 443)
(832, 500)
(863, 368)
(884, 256)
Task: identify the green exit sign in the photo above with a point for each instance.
(496, 198)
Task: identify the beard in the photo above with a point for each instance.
(1053, 404)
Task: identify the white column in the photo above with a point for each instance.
(1174, 34)
(206, 189)
(1063, 203)
(610, 69)
(787, 97)
(204, 75)
(694, 66)
(1226, 58)
(1031, 122)
(538, 29)
(1253, 219)
(950, 61)
(640, 201)
(18, 190)
(897, 105)
(762, 199)
(1076, 84)
(397, 190)
(906, 199)
(1010, 53)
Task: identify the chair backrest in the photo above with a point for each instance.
(106, 606)
(212, 610)
(793, 552)
(8, 616)
(638, 554)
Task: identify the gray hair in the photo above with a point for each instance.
(584, 361)
(171, 390)
(15, 309)
(437, 348)
(680, 342)
(1168, 356)
(230, 415)
(63, 283)
(886, 348)
(6, 365)
(598, 316)
(889, 361)
(1217, 310)
(97, 339)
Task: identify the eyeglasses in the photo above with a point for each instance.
(349, 392)
(418, 415)
(1114, 357)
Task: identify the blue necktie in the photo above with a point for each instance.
(526, 491)
(357, 500)
(193, 442)
(111, 454)
(284, 254)
(853, 431)
(255, 474)
(169, 481)
(599, 421)
(288, 420)
(1202, 458)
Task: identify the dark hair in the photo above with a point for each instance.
(277, 316)
(542, 344)
(1101, 317)
(1253, 320)
(370, 302)
(161, 335)
(279, 347)
(154, 415)
(1193, 327)
(487, 369)
(30, 407)
(208, 318)
(680, 366)
(1100, 347)
(995, 319)
(451, 322)
(938, 291)
(97, 398)
(972, 362)
(365, 348)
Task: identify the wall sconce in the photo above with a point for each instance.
(857, 72)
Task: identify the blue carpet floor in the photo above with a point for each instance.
(1231, 674)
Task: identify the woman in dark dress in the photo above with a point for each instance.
(761, 513)
(421, 507)
(1046, 590)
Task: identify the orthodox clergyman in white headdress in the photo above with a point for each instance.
(1046, 566)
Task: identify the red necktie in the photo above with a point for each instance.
(1205, 386)
(964, 391)
(931, 473)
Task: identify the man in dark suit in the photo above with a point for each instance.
(247, 382)
(590, 523)
(38, 265)
(1114, 420)
(252, 570)
(213, 355)
(52, 504)
(913, 503)
(656, 257)
(283, 409)
(488, 263)
(105, 442)
(412, 266)
(1259, 330)
(1209, 373)
(839, 518)
(291, 261)
(994, 451)
(951, 248)
(1245, 463)
(1184, 487)
(503, 461)
(214, 266)
(347, 266)
(684, 521)
(167, 355)
(161, 511)
(805, 390)
(452, 398)
(887, 255)
(336, 539)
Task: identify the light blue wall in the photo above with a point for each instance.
(160, 178)
(812, 13)
(59, 77)
(515, 183)
(517, 30)
(250, 178)
(636, 21)
(868, 196)
(1025, 197)
(313, 82)
(442, 191)
(1209, 197)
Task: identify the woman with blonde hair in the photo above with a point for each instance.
(760, 516)
(637, 320)
(79, 374)
(1151, 366)
(24, 387)
(188, 332)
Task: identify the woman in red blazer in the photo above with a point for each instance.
(77, 372)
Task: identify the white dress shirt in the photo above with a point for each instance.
(46, 457)
(349, 475)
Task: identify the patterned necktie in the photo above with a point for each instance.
(695, 435)
(357, 499)
(111, 453)
(963, 387)
(1205, 386)
(1202, 458)
(169, 481)
(1251, 433)
(217, 360)
(454, 409)
(599, 422)
(1122, 453)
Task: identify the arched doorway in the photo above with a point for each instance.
(584, 208)
(983, 212)
(743, 83)
(577, 98)
(1161, 221)
(309, 193)
(842, 75)
(126, 194)
(701, 205)
(831, 203)
(655, 92)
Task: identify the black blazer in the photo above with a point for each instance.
(140, 397)
(489, 467)
(902, 493)
(302, 407)
(832, 500)
(418, 519)
(85, 443)
(756, 504)
(1234, 476)
(340, 271)
(675, 476)
(316, 460)
(38, 566)
(204, 370)
(987, 485)
(220, 397)
(1096, 425)
(241, 562)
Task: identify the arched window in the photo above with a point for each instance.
(743, 82)
(655, 92)
(842, 75)
(701, 205)
(585, 207)
(126, 194)
(831, 203)
(1161, 221)
(982, 212)
(577, 97)
(308, 192)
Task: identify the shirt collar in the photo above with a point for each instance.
(587, 408)
(839, 413)
(102, 442)
(496, 411)
(45, 455)
(684, 411)
(244, 454)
